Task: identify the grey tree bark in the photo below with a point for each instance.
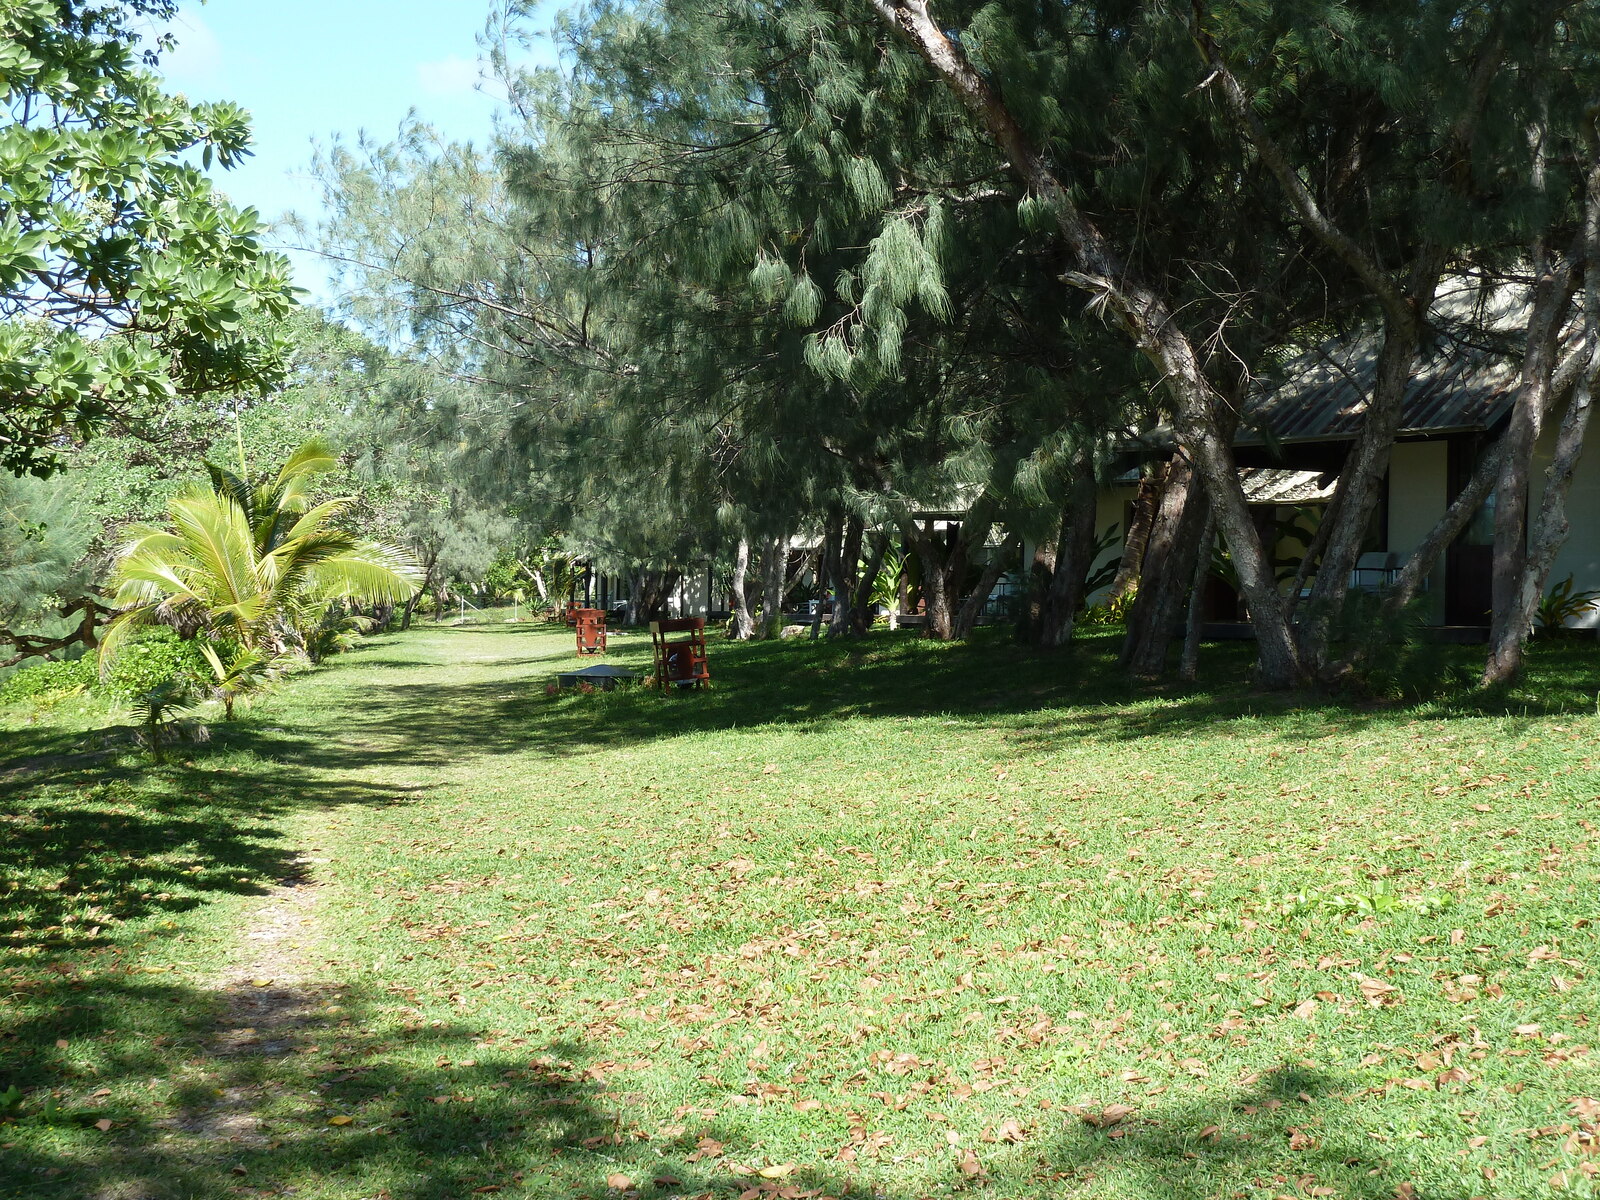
(1189, 660)
(743, 626)
(1074, 549)
(773, 560)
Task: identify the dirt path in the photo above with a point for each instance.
(270, 1006)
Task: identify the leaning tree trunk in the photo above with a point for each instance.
(966, 618)
(1145, 503)
(1143, 314)
(1074, 556)
(1168, 566)
(1189, 661)
(861, 605)
(1550, 533)
(1507, 622)
(1516, 599)
(743, 626)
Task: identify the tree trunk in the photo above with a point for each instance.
(1146, 501)
(1074, 551)
(1189, 661)
(832, 531)
(773, 558)
(1362, 479)
(1550, 533)
(966, 618)
(1144, 315)
(1552, 301)
(1036, 583)
(743, 626)
(1520, 582)
(845, 567)
(861, 607)
(1164, 579)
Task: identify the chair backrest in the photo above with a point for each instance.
(678, 625)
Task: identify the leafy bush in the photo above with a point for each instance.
(49, 677)
(1394, 658)
(1563, 604)
(155, 658)
(1113, 612)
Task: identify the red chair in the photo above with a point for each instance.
(590, 626)
(572, 612)
(680, 648)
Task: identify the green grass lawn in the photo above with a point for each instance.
(884, 918)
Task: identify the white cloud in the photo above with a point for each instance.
(450, 76)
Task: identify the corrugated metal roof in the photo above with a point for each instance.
(1465, 384)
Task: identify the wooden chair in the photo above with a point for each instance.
(590, 626)
(680, 649)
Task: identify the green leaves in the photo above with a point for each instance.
(110, 240)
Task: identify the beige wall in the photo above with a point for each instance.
(1111, 508)
(1419, 479)
(1580, 556)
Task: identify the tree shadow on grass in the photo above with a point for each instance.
(85, 847)
(1037, 699)
(362, 1104)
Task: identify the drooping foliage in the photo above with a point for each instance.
(744, 271)
(125, 279)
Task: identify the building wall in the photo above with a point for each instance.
(1419, 480)
(1580, 556)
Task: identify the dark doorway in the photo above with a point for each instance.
(1469, 563)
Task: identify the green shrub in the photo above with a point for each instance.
(48, 677)
(1113, 612)
(153, 659)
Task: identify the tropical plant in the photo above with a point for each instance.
(251, 567)
(1562, 604)
(243, 675)
(886, 584)
(160, 709)
(1102, 575)
(338, 631)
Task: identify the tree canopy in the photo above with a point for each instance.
(125, 278)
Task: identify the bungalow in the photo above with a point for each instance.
(1294, 437)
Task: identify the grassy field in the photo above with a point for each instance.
(884, 919)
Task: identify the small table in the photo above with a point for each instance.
(602, 675)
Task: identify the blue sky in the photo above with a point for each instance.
(313, 69)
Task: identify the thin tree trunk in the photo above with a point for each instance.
(1516, 599)
(861, 607)
(774, 555)
(845, 567)
(1144, 315)
(966, 618)
(743, 626)
(1168, 564)
(1552, 302)
(1362, 478)
(1550, 534)
(1189, 662)
(832, 530)
(1074, 549)
(1145, 503)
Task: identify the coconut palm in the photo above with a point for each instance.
(251, 566)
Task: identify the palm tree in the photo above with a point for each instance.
(250, 567)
